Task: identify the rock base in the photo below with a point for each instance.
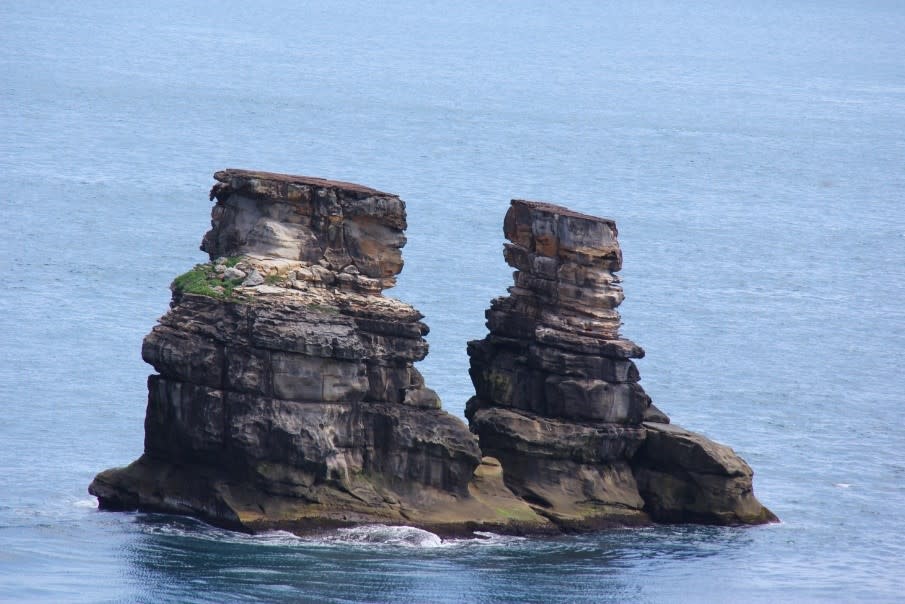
(223, 499)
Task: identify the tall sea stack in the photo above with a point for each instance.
(286, 393)
(558, 400)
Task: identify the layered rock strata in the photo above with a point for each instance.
(286, 396)
(558, 401)
(286, 393)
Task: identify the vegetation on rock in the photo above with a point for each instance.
(204, 280)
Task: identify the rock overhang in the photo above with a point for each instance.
(238, 179)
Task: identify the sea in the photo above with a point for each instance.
(751, 153)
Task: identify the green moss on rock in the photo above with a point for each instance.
(204, 280)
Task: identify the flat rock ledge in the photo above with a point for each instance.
(285, 394)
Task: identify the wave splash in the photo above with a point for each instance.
(369, 535)
(381, 534)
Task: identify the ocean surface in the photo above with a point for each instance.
(752, 154)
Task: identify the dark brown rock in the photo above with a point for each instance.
(295, 402)
(685, 477)
(286, 394)
(558, 401)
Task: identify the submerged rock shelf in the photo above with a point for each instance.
(286, 394)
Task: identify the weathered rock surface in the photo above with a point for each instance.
(685, 477)
(558, 401)
(286, 393)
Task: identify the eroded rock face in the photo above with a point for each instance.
(558, 401)
(685, 477)
(345, 228)
(291, 399)
(286, 393)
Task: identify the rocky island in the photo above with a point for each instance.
(286, 396)
(558, 401)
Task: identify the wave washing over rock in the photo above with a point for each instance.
(287, 398)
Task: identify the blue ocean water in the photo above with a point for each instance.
(752, 154)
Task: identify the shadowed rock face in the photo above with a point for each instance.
(685, 477)
(557, 395)
(286, 393)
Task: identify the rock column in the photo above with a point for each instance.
(557, 398)
(286, 392)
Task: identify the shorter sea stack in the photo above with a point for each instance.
(558, 401)
(286, 394)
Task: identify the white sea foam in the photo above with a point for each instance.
(404, 536)
(90, 502)
(409, 536)
(370, 535)
(275, 538)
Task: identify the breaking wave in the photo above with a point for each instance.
(369, 535)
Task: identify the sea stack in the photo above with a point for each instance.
(558, 401)
(286, 394)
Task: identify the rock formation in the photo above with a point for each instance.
(557, 396)
(286, 393)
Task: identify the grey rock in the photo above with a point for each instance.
(653, 414)
(318, 221)
(685, 477)
(233, 273)
(508, 432)
(421, 396)
(254, 278)
(296, 404)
